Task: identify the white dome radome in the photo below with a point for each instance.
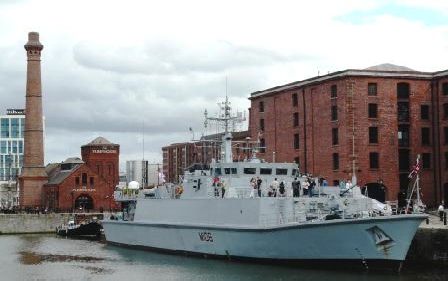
(133, 185)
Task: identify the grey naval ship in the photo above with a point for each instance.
(216, 212)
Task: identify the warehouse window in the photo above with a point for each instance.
(445, 135)
(426, 160)
(445, 89)
(296, 141)
(334, 136)
(296, 119)
(374, 160)
(334, 91)
(373, 134)
(403, 111)
(334, 113)
(295, 101)
(373, 110)
(261, 124)
(424, 112)
(335, 161)
(446, 160)
(372, 89)
(262, 146)
(426, 136)
(403, 90)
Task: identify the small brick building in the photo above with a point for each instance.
(84, 184)
(378, 118)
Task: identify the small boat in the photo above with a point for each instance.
(85, 228)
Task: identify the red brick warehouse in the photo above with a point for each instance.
(179, 156)
(86, 184)
(392, 113)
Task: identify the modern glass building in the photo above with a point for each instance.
(12, 126)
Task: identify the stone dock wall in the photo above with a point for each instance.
(32, 223)
(430, 246)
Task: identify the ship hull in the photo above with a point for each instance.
(370, 242)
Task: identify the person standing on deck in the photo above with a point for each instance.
(259, 181)
(282, 189)
(312, 184)
(441, 210)
(223, 188)
(305, 185)
(295, 188)
(274, 188)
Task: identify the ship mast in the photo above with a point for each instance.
(225, 119)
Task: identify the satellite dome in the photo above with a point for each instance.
(133, 185)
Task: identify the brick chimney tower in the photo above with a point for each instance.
(33, 175)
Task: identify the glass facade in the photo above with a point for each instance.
(12, 129)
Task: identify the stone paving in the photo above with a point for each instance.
(434, 222)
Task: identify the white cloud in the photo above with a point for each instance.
(109, 65)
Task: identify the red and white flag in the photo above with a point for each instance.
(415, 168)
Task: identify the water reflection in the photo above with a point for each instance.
(47, 257)
(35, 258)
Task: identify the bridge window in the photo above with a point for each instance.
(233, 171)
(227, 171)
(280, 172)
(250, 171)
(265, 171)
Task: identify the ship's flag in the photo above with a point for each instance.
(415, 168)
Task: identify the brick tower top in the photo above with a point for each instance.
(33, 47)
(102, 156)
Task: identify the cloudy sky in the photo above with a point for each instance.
(120, 68)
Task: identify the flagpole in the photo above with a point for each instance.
(415, 170)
